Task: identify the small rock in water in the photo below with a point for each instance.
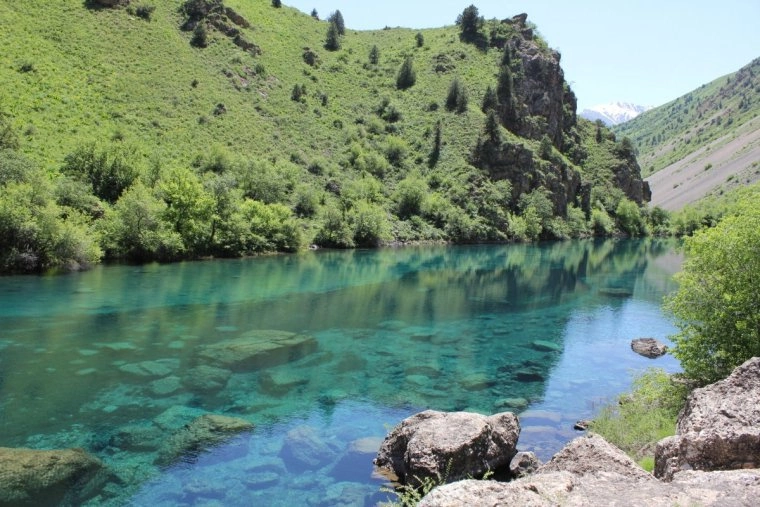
(477, 382)
(165, 386)
(206, 379)
(546, 346)
(529, 376)
(159, 368)
(513, 403)
(304, 449)
(582, 425)
(649, 347)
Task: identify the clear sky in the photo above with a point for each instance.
(643, 51)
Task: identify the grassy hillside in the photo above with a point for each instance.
(707, 141)
(131, 134)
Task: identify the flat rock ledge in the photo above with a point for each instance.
(649, 347)
(718, 429)
(448, 446)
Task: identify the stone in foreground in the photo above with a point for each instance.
(649, 347)
(448, 446)
(718, 429)
(32, 477)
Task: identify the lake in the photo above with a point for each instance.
(323, 352)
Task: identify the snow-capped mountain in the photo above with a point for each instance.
(614, 113)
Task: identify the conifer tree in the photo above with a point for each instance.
(470, 23)
(337, 18)
(490, 101)
(276, 3)
(315, 14)
(374, 55)
(420, 39)
(332, 39)
(406, 75)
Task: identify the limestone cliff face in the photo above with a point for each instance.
(543, 108)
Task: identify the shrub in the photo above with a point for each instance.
(410, 196)
(419, 39)
(374, 55)
(396, 150)
(144, 11)
(108, 171)
(276, 4)
(601, 223)
(716, 305)
(629, 218)
(371, 225)
(200, 36)
(456, 99)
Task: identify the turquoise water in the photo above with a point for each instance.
(109, 359)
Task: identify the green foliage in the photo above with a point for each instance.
(108, 171)
(601, 223)
(457, 100)
(336, 18)
(396, 150)
(407, 76)
(490, 101)
(637, 421)
(716, 305)
(410, 196)
(8, 137)
(629, 218)
(200, 36)
(188, 207)
(370, 225)
(419, 39)
(374, 55)
(276, 4)
(332, 38)
(470, 22)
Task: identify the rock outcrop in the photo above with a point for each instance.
(198, 436)
(649, 347)
(590, 471)
(718, 429)
(58, 477)
(449, 446)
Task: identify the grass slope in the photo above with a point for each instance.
(706, 141)
(102, 75)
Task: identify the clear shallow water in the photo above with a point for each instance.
(108, 360)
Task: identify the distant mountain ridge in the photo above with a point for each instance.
(705, 142)
(614, 113)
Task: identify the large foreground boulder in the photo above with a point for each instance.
(448, 446)
(590, 471)
(257, 349)
(718, 429)
(736, 487)
(200, 435)
(58, 477)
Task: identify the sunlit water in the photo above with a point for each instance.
(107, 360)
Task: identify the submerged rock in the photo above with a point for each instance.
(258, 349)
(546, 346)
(303, 449)
(448, 446)
(649, 347)
(32, 477)
(159, 368)
(206, 379)
(198, 436)
(718, 429)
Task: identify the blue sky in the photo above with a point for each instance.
(643, 51)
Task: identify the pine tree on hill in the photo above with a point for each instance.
(332, 39)
(406, 75)
(337, 18)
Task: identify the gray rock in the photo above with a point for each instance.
(524, 463)
(448, 445)
(591, 454)
(281, 382)
(158, 368)
(201, 434)
(718, 429)
(564, 488)
(546, 346)
(165, 386)
(57, 477)
(649, 347)
(206, 379)
(258, 349)
(303, 449)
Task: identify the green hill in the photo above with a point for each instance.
(173, 129)
(707, 141)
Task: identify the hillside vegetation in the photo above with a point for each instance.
(707, 141)
(177, 129)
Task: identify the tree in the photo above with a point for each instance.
(315, 14)
(374, 55)
(457, 100)
(8, 138)
(200, 36)
(420, 39)
(406, 75)
(337, 18)
(470, 23)
(332, 39)
(490, 101)
(716, 305)
(435, 153)
(276, 3)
